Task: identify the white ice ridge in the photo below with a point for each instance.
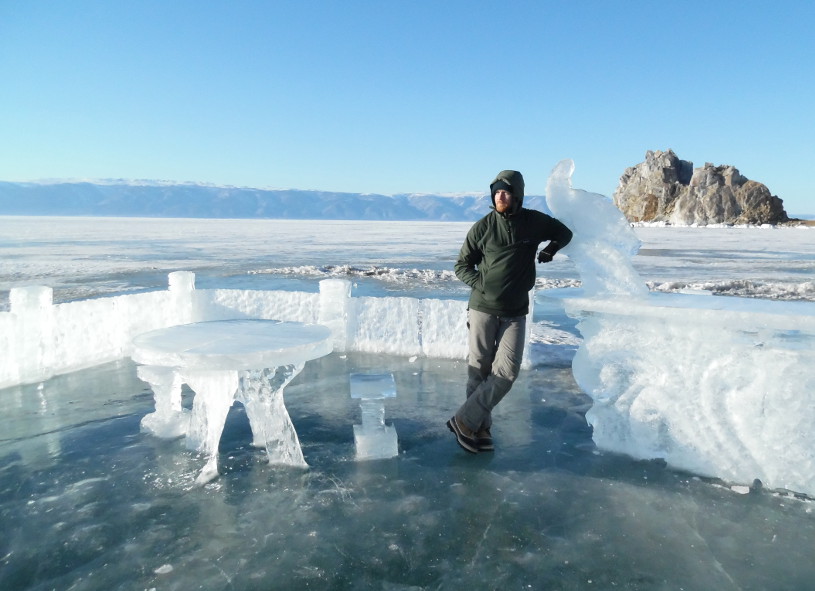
(391, 274)
(803, 291)
(719, 386)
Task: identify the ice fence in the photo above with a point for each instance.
(39, 339)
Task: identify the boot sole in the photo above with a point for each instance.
(466, 443)
(485, 446)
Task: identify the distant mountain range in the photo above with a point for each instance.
(161, 199)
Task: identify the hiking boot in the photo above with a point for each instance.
(467, 442)
(483, 440)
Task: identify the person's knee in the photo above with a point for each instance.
(476, 372)
(479, 365)
(508, 370)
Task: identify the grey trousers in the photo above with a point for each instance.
(496, 348)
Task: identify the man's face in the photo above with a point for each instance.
(503, 200)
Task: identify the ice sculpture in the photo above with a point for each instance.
(373, 438)
(603, 242)
(718, 386)
(251, 361)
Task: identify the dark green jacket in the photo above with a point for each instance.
(498, 259)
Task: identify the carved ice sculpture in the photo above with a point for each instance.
(706, 383)
(250, 361)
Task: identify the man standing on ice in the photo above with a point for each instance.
(497, 261)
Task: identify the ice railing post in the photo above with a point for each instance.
(181, 285)
(335, 311)
(33, 335)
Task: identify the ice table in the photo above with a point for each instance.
(251, 361)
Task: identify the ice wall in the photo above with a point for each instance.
(718, 386)
(39, 339)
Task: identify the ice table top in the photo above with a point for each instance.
(232, 344)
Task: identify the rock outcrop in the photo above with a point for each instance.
(667, 189)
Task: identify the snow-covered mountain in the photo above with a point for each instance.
(162, 199)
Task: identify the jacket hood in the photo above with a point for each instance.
(514, 179)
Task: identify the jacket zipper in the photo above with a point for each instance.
(510, 230)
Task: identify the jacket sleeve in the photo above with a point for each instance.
(469, 257)
(557, 232)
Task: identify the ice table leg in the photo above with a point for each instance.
(169, 420)
(214, 395)
(261, 392)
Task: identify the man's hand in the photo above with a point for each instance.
(545, 257)
(548, 253)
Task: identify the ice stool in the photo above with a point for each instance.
(374, 439)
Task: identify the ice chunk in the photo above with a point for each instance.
(375, 442)
(444, 328)
(181, 287)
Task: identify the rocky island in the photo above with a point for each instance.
(667, 189)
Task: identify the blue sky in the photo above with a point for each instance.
(405, 96)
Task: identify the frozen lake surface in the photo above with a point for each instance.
(87, 501)
(87, 257)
